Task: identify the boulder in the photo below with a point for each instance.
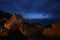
(14, 22)
(54, 31)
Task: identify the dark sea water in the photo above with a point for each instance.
(44, 22)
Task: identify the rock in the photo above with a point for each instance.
(48, 32)
(30, 32)
(39, 27)
(14, 22)
(4, 32)
(4, 15)
(54, 31)
(56, 28)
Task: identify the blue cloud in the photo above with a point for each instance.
(30, 6)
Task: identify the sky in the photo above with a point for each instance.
(35, 9)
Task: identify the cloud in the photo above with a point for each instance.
(45, 6)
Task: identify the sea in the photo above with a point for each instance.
(44, 22)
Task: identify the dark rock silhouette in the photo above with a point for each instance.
(6, 34)
(14, 22)
(4, 15)
(54, 31)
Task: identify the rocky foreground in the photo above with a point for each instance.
(14, 27)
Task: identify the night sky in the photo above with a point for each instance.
(35, 9)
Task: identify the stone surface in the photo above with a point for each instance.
(54, 31)
(14, 22)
